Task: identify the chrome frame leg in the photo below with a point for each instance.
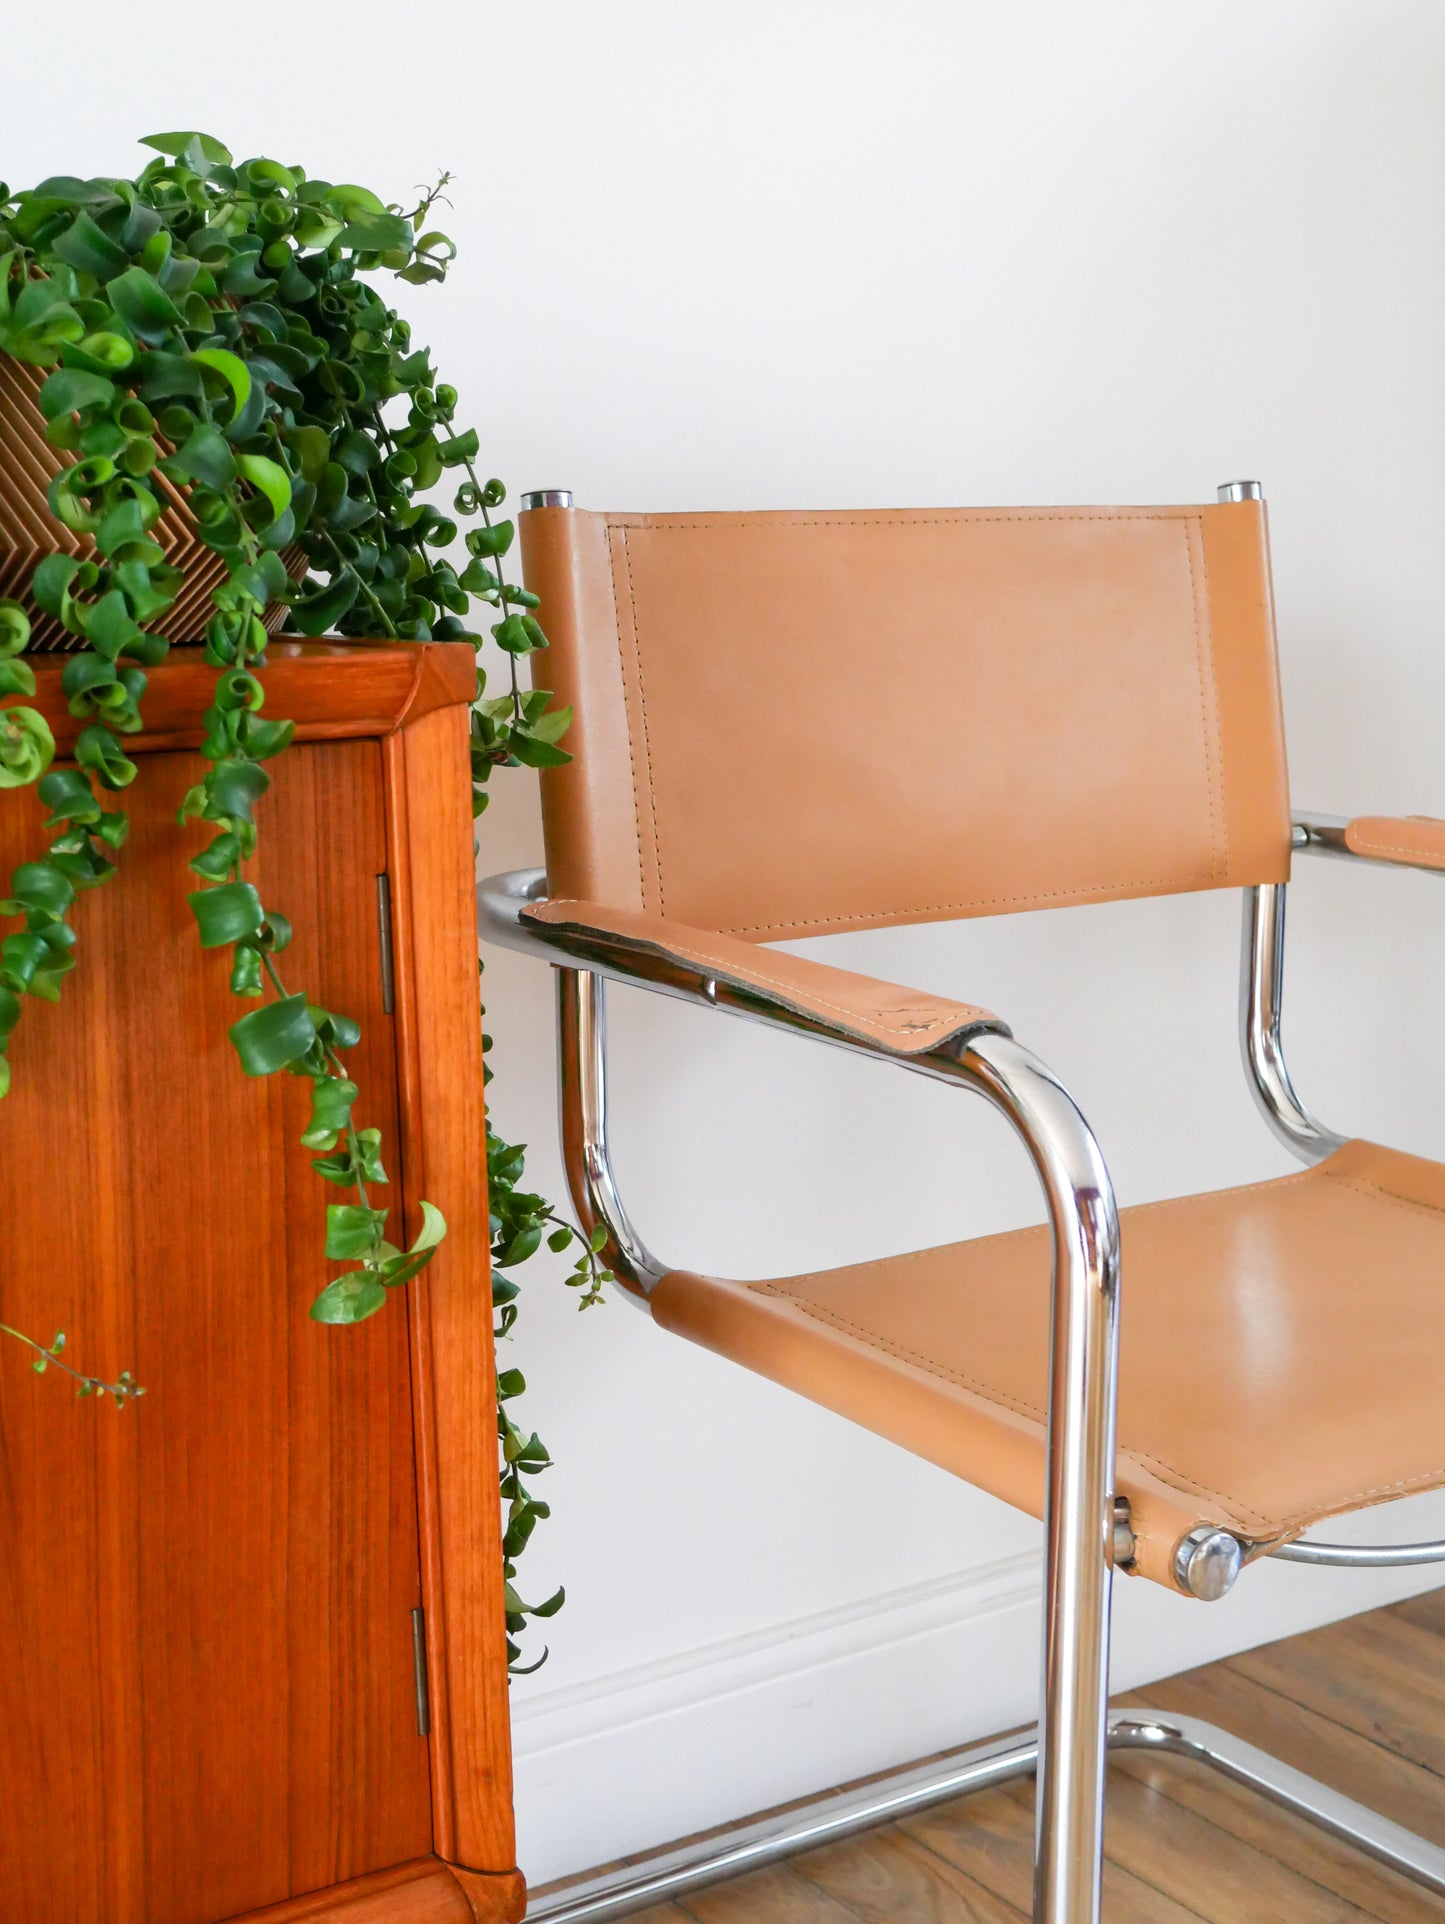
(1079, 1498)
(766, 1840)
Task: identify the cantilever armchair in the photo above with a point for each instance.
(1095, 715)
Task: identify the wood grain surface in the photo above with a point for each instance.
(207, 1705)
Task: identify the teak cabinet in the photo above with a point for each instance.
(209, 1695)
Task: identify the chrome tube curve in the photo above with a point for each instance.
(586, 1155)
(1261, 994)
(1079, 1499)
(673, 1870)
(1079, 1519)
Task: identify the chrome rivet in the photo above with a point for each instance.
(1240, 491)
(1207, 1562)
(547, 498)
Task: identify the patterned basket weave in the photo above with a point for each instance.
(29, 531)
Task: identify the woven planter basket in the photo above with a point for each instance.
(29, 531)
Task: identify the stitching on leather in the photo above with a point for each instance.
(1378, 1193)
(900, 1350)
(646, 737)
(1370, 846)
(631, 759)
(971, 902)
(1204, 650)
(960, 517)
(955, 1017)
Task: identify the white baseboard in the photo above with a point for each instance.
(656, 1752)
(651, 1754)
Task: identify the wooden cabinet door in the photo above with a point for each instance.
(207, 1698)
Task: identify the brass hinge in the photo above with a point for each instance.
(383, 922)
(418, 1656)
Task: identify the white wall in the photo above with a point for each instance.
(818, 253)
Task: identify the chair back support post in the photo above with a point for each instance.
(1079, 1498)
(1261, 995)
(586, 1157)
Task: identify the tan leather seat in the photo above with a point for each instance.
(1281, 1350)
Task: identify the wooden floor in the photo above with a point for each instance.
(1360, 1705)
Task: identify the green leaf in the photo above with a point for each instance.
(16, 678)
(533, 753)
(433, 1228)
(232, 370)
(178, 144)
(205, 457)
(352, 1229)
(270, 1037)
(331, 1100)
(217, 858)
(20, 956)
(350, 1299)
(316, 613)
(27, 746)
(233, 789)
(460, 447)
(98, 750)
(246, 971)
(68, 796)
(14, 629)
(141, 300)
(89, 249)
(491, 541)
(69, 389)
(270, 479)
(36, 885)
(226, 913)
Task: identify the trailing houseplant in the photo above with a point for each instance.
(212, 327)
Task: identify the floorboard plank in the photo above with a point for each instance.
(1377, 1675)
(775, 1895)
(888, 1878)
(990, 1837)
(1426, 1610)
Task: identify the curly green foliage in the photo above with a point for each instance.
(210, 322)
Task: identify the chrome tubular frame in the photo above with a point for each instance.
(1260, 1000)
(1261, 995)
(1084, 1530)
(670, 1873)
(1079, 1514)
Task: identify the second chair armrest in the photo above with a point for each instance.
(900, 1021)
(1417, 840)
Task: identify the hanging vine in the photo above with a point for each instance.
(211, 324)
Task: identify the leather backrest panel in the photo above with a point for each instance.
(794, 723)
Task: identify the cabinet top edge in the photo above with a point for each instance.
(332, 690)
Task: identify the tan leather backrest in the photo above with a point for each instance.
(794, 723)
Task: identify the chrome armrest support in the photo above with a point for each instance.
(1261, 993)
(1317, 834)
(1080, 1521)
(1361, 1556)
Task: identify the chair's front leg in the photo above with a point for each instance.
(1079, 1502)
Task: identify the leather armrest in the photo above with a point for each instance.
(1416, 840)
(902, 1021)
